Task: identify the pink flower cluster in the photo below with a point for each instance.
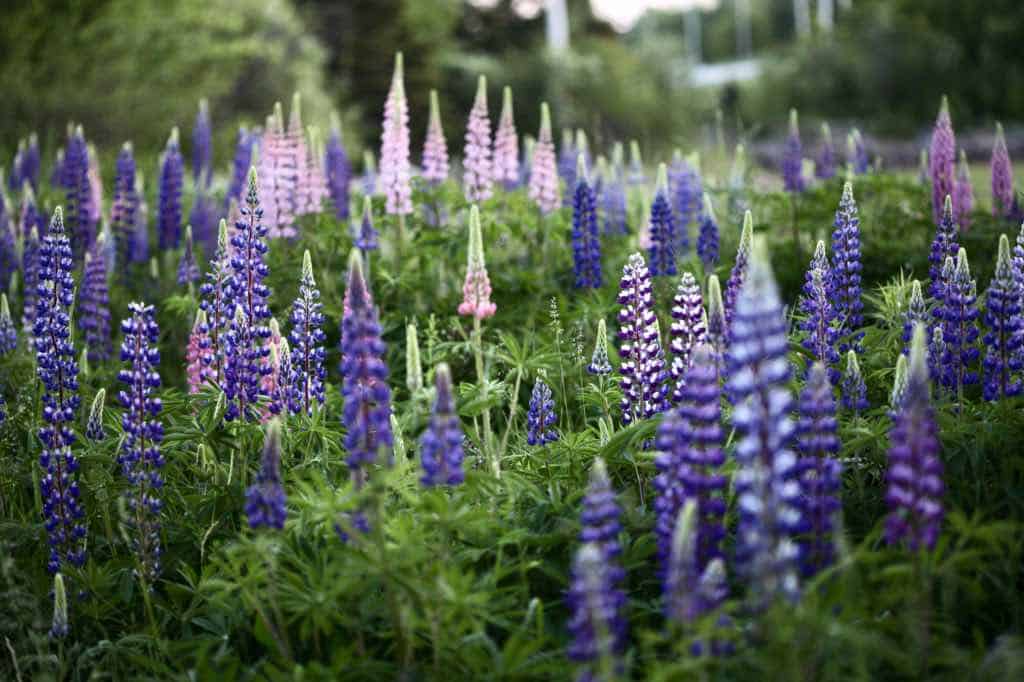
(394, 147)
(543, 187)
(477, 169)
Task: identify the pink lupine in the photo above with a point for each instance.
(942, 160)
(435, 148)
(312, 190)
(394, 147)
(269, 148)
(197, 369)
(95, 187)
(476, 291)
(478, 173)
(543, 187)
(506, 145)
(1002, 176)
(963, 199)
(288, 161)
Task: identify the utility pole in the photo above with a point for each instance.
(744, 29)
(556, 22)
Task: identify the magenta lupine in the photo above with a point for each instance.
(543, 188)
(478, 171)
(123, 209)
(963, 200)
(395, 172)
(306, 384)
(338, 170)
(738, 274)
(825, 167)
(644, 388)
(197, 369)
(1004, 337)
(942, 160)
(792, 158)
(169, 216)
(215, 302)
(688, 330)
(435, 147)
(1002, 177)
(960, 328)
(506, 145)
(944, 246)
(93, 310)
(476, 289)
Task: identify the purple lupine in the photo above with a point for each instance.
(140, 244)
(140, 457)
(792, 158)
(441, 444)
(600, 364)
(8, 247)
(707, 241)
(917, 311)
(586, 240)
(202, 147)
(29, 217)
(435, 147)
(14, 180)
(395, 171)
(365, 391)
(738, 274)
(203, 219)
(478, 171)
(599, 518)
(936, 353)
(306, 384)
(93, 311)
(265, 499)
(567, 153)
(662, 251)
(541, 417)
(270, 147)
(845, 275)
(642, 364)
(30, 280)
(715, 322)
(687, 189)
(215, 301)
(942, 160)
(825, 167)
(853, 389)
(123, 209)
(1017, 260)
(914, 475)
(688, 331)
(1004, 336)
(366, 238)
(57, 172)
(338, 169)
(766, 479)
(960, 328)
(820, 471)
(8, 334)
(818, 308)
(243, 368)
(963, 200)
(1002, 177)
(63, 513)
(543, 186)
(74, 178)
(689, 591)
(857, 152)
(944, 246)
(506, 145)
(240, 165)
(171, 179)
(188, 269)
(613, 197)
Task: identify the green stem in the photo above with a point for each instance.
(478, 353)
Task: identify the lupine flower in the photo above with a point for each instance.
(8, 247)
(541, 417)
(140, 245)
(312, 185)
(707, 241)
(3, 410)
(395, 172)
(275, 384)
(792, 158)
(1004, 337)
(1018, 264)
(853, 389)
(936, 353)
(529, 141)
(1002, 177)
(215, 301)
(715, 322)
(944, 246)
(690, 592)
(825, 168)
(960, 328)
(599, 361)
(94, 430)
(613, 196)
(124, 207)
(288, 161)
(365, 391)
(567, 154)
(30, 280)
(240, 165)
(59, 625)
(686, 188)
(95, 180)
(338, 170)
(435, 147)
(476, 289)
(197, 366)
(30, 217)
(582, 147)
(506, 145)
(243, 368)
(663, 229)
(94, 303)
(819, 323)
(586, 241)
(265, 499)
(306, 384)
(74, 178)
(636, 175)
(367, 238)
(963, 201)
(766, 480)
(8, 334)
(899, 383)
(441, 444)
(369, 180)
(140, 457)
(171, 180)
(857, 152)
(543, 188)
(917, 311)
(270, 147)
(57, 172)
(643, 361)
(942, 160)
(413, 364)
(845, 289)
(188, 270)
(203, 218)
(914, 476)
(820, 475)
(202, 147)
(738, 274)
(478, 173)
(688, 331)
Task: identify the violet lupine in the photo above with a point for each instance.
(123, 208)
(197, 367)
(202, 147)
(188, 269)
(244, 367)
(1002, 177)
(476, 289)
(613, 196)
(942, 160)
(78, 193)
(29, 217)
(690, 592)
(738, 274)
(395, 171)
(63, 513)
(1004, 336)
(643, 361)
(857, 152)
(818, 308)
(845, 284)
(265, 499)
(30, 280)
(960, 328)
(543, 186)
(663, 229)
(441, 444)
(365, 391)
(541, 417)
(171, 179)
(792, 158)
(1017, 261)
(306, 383)
(586, 240)
(478, 171)
(203, 218)
(825, 167)
(963, 200)
(240, 165)
(767, 484)
(600, 363)
(567, 153)
(917, 312)
(707, 240)
(506, 145)
(820, 471)
(8, 247)
(215, 302)
(687, 190)
(435, 147)
(688, 331)
(338, 170)
(8, 334)
(944, 245)
(853, 389)
(140, 245)
(93, 311)
(914, 476)
(715, 321)
(366, 237)
(599, 518)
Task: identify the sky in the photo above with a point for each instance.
(621, 14)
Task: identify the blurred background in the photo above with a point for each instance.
(666, 72)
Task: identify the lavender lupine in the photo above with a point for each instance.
(942, 160)
(917, 311)
(395, 171)
(707, 241)
(338, 170)
(124, 207)
(960, 328)
(818, 308)
(845, 276)
(306, 383)
(541, 417)
(215, 302)
(8, 334)
(792, 158)
(240, 165)
(1002, 177)
(441, 444)
(1004, 335)
(825, 167)
(367, 238)
(93, 312)
(963, 200)
(543, 186)
(853, 389)
(506, 145)
(202, 147)
(197, 365)
(738, 274)
(600, 364)
(476, 288)
(270, 148)
(643, 361)
(586, 240)
(30, 280)
(171, 179)
(663, 229)
(265, 499)
(688, 331)
(435, 147)
(188, 269)
(766, 480)
(478, 172)
(914, 476)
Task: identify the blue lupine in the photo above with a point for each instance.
(202, 148)
(846, 265)
(914, 475)
(203, 219)
(63, 513)
(188, 269)
(240, 166)
(441, 444)
(215, 300)
(169, 215)
(1004, 337)
(663, 230)
(917, 311)
(94, 429)
(140, 458)
(852, 387)
(599, 518)
(687, 189)
(766, 480)
(8, 334)
(541, 417)
(567, 154)
(586, 242)
(8, 249)
(30, 279)
(707, 241)
(339, 173)
(123, 208)
(792, 158)
(366, 237)
(306, 383)
(265, 499)
(613, 201)
(738, 274)
(825, 167)
(944, 245)
(93, 311)
(820, 471)
(960, 328)
(688, 330)
(644, 389)
(244, 366)
(78, 195)
(597, 622)
(818, 308)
